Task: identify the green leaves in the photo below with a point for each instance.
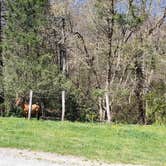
(27, 66)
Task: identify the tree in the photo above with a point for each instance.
(26, 61)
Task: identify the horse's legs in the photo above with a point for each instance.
(38, 115)
(26, 115)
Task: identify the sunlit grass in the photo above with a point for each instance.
(111, 143)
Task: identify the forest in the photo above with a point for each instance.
(106, 57)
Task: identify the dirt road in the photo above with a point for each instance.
(15, 157)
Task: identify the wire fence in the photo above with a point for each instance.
(41, 94)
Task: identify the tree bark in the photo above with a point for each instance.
(139, 90)
(108, 107)
(63, 57)
(100, 110)
(110, 24)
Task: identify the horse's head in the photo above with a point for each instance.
(19, 101)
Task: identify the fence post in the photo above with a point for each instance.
(63, 105)
(30, 104)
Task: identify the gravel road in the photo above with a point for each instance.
(15, 157)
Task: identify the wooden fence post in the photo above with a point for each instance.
(30, 104)
(63, 105)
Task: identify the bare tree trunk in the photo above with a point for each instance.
(63, 65)
(110, 24)
(108, 107)
(100, 110)
(139, 90)
(146, 110)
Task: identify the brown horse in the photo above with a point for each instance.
(36, 110)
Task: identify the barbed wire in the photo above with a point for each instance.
(39, 95)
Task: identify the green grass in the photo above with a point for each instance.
(114, 144)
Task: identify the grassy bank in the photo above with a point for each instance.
(118, 143)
